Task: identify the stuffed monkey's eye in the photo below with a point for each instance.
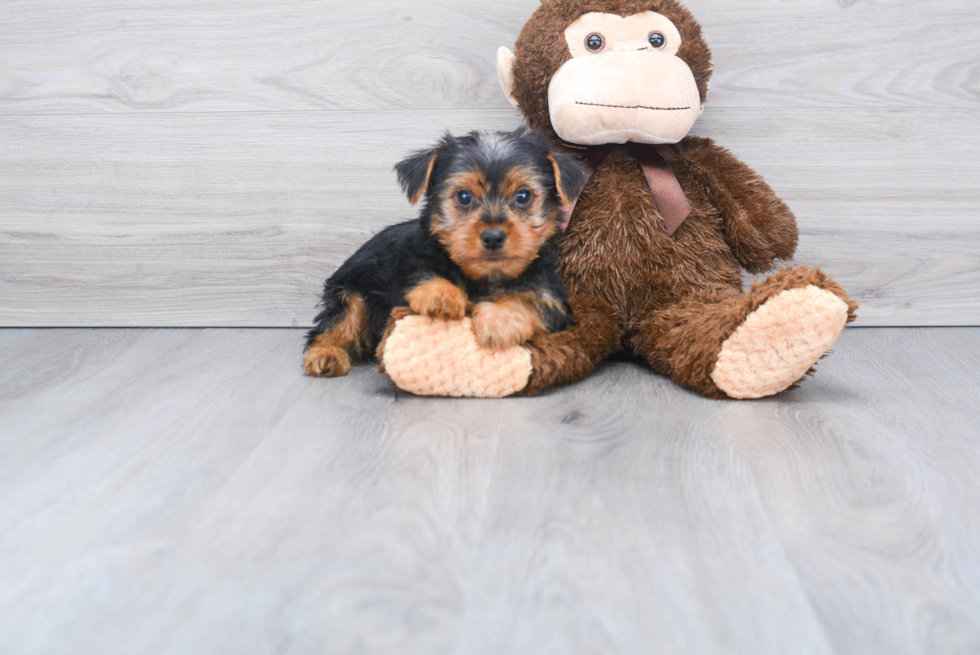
(657, 40)
(464, 197)
(523, 197)
(595, 42)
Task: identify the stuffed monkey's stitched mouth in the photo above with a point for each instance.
(597, 104)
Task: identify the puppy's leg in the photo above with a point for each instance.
(437, 297)
(341, 338)
(515, 318)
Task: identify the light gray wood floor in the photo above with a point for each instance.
(190, 491)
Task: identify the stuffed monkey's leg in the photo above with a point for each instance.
(726, 344)
(571, 355)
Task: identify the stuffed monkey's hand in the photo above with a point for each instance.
(759, 227)
(443, 358)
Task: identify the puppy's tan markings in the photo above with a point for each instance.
(330, 353)
(438, 298)
(524, 242)
(507, 322)
(561, 191)
(527, 229)
(428, 176)
(540, 300)
(520, 178)
(325, 361)
(451, 215)
(475, 181)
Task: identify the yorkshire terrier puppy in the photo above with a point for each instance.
(485, 245)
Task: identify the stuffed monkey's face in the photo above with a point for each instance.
(624, 82)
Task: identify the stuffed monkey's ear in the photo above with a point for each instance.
(570, 175)
(505, 73)
(415, 173)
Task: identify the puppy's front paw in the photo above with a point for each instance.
(502, 325)
(326, 362)
(438, 298)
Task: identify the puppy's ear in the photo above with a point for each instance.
(415, 173)
(570, 175)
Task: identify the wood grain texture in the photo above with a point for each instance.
(144, 56)
(190, 491)
(230, 219)
(875, 499)
(205, 163)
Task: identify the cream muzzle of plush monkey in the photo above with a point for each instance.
(624, 82)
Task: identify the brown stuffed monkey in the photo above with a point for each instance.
(655, 244)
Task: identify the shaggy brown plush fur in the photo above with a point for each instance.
(677, 298)
(674, 300)
(663, 336)
(571, 355)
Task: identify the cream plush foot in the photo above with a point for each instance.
(779, 342)
(436, 357)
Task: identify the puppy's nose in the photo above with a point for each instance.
(493, 239)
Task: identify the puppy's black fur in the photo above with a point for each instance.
(449, 241)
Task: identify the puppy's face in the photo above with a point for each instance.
(494, 199)
(494, 218)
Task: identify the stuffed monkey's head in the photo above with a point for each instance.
(595, 72)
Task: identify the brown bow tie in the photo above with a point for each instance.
(667, 191)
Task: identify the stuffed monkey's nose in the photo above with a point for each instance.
(493, 239)
(631, 45)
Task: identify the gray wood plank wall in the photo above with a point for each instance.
(207, 164)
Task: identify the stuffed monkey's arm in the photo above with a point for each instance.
(759, 227)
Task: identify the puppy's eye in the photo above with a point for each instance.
(657, 40)
(465, 198)
(523, 197)
(595, 42)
